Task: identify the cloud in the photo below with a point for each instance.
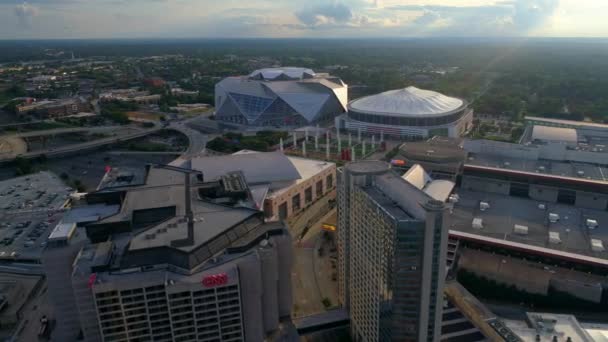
(25, 12)
(501, 17)
(337, 13)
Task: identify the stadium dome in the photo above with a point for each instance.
(408, 112)
(279, 97)
(410, 101)
(286, 73)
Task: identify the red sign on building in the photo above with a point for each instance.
(215, 280)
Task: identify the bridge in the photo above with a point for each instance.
(75, 148)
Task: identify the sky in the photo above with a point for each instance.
(42, 19)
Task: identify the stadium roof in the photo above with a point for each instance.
(545, 133)
(282, 73)
(408, 101)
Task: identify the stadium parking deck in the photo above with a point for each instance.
(506, 211)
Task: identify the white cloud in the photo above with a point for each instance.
(303, 18)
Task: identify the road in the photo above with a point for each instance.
(311, 276)
(74, 148)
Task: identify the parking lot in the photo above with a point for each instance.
(23, 236)
(30, 206)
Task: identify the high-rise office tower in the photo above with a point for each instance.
(392, 251)
(182, 259)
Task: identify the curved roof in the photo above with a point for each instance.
(409, 101)
(545, 133)
(289, 72)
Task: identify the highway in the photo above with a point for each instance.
(57, 131)
(61, 151)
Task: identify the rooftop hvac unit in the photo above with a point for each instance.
(553, 217)
(506, 164)
(520, 230)
(483, 206)
(591, 223)
(541, 168)
(554, 237)
(454, 198)
(542, 206)
(580, 173)
(597, 245)
(477, 223)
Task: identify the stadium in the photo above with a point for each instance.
(408, 113)
(279, 97)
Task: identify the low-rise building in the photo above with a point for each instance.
(282, 185)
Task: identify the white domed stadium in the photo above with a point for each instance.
(408, 113)
(279, 97)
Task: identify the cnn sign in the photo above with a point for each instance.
(215, 280)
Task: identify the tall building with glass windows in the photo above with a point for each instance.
(181, 259)
(392, 240)
(279, 97)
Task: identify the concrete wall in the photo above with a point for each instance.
(591, 292)
(543, 193)
(591, 201)
(87, 308)
(57, 263)
(270, 282)
(250, 277)
(485, 185)
(285, 264)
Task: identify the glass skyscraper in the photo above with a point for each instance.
(392, 250)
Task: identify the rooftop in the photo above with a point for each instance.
(545, 133)
(581, 171)
(408, 101)
(176, 217)
(505, 212)
(282, 73)
(262, 167)
(548, 325)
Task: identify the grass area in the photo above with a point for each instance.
(262, 141)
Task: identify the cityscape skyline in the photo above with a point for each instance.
(38, 19)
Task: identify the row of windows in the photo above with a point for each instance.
(406, 121)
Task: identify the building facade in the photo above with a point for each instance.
(183, 259)
(279, 97)
(392, 242)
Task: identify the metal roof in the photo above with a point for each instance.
(263, 167)
(273, 73)
(409, 101)
(545, 133)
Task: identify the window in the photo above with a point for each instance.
(295, 202)
(330, 181)
(320, 188)
(308, 195)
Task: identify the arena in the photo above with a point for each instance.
(279, 97)
(408, 113)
